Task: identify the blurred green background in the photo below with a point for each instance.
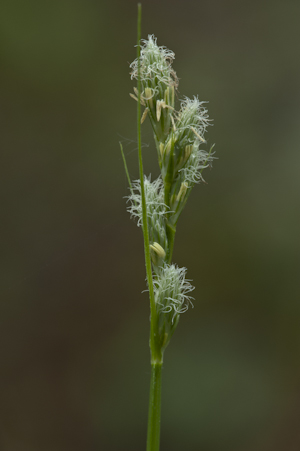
(73, 322)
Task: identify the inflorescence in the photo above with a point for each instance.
(178, 136)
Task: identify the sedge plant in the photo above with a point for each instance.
(179, 136)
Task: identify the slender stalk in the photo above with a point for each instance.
(154, 408)
(155, 352)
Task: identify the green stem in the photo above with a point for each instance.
(155, 351)
(154, 408)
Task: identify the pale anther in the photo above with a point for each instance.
(197, 134)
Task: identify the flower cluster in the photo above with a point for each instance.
(156, 215)
(159, 82)
(171, 290)
(179, 138)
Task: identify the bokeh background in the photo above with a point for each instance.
(73, 323)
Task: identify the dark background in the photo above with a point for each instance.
(73, 323)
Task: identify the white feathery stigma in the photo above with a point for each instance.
(156, 63)
(192, 118)
(198, 160)
(171, 290)
(154, 194)
(192, 122)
